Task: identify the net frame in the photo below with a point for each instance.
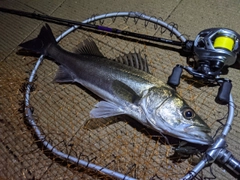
(213, 151)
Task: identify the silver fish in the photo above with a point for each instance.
(124, 89)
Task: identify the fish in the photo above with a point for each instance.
(123, 88)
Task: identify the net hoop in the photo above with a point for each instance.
(31, 121)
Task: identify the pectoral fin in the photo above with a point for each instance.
(125, 92)
(104, 109)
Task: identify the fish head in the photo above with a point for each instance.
(168, 113)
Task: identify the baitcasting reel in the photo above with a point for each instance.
(212, 51)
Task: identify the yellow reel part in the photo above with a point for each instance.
(224, 42)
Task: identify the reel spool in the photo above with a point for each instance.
(224, 42)
(212, 50)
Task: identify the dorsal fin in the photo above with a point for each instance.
(134, 60)
(88, 47)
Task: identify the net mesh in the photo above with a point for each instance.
(61, 111)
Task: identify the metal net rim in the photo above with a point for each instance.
(32, 123)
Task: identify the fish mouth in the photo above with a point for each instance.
(204, 129)
(200, 135)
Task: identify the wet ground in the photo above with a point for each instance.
(61, 111)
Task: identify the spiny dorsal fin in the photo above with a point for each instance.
(88, 47)
(134, 60)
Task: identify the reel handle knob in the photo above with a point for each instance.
(174, 78)
(224, 92)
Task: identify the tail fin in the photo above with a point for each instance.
(41, 43)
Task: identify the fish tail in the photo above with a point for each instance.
(41, 43)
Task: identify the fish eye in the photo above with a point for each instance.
(188, 113)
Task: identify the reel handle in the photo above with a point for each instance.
(224, 92)
(174, 78)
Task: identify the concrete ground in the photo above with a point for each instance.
(61, 111)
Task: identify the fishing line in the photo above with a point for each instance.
(211, 171)
(222, 125)
(156, 177)
(232, 104)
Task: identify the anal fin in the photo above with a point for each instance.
(63, 76)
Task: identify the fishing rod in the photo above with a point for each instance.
(81, 25)
(213, 49)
